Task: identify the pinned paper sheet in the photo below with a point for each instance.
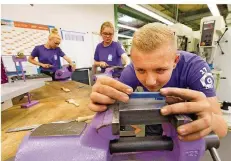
(16, 37)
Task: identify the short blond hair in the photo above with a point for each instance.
(54, 33)
(151, 36)
(106, 24)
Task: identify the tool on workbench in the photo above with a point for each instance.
(100, 140)
(31, 127)
(72, 101)
(25, 128)
(19, 59)
(65, 89)
(80, 87)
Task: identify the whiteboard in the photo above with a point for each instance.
(80, 47)
(96, 39)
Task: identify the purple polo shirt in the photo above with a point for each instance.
(110, 54)
(191, 72)
(48, 56)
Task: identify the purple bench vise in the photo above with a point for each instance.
(101, 141)
(64, 73)
(110, 71)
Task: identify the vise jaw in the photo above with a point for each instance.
(144, 108)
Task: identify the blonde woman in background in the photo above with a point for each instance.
(49, 55)
(109, 52)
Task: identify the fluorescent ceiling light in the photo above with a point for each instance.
(213, 9)
(149, 13)
(127, 27)
(124, 36)
(126, 18)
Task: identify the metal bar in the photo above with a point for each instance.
(20, 68)
(59, 129)
(195, 12)
(23, 75)
(177, 10)
(150, 8)
(133, 13)
(146, 95)
(16, 68)
(135, 112)
(31, 127)
(29, 97)
(127, 133)
(137, 144)
(214, 154)
(137, 117)
(115, 119)
(25, 128)
(195, 17)
(116, 17)
(178, 120)
(212, 141)
(170, 8)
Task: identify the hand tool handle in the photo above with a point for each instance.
(85, 118)
(134, 144)
(214, 154)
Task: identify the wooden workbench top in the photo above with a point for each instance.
(52, 107)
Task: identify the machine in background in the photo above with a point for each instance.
(187, 39)
(212, 29)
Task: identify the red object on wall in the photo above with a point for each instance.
(4, 78)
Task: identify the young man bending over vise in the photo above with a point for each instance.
(183, 78)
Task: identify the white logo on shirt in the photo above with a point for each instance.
(55, 57)
(109, 58)
(207, 80)
(122, 47)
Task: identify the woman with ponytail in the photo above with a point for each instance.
(49, 55)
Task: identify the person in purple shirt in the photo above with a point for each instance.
(109, 52)
(49, 55)
(184, 78)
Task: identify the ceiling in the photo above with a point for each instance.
(188, 14)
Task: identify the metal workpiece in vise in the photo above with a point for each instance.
(101, 141)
